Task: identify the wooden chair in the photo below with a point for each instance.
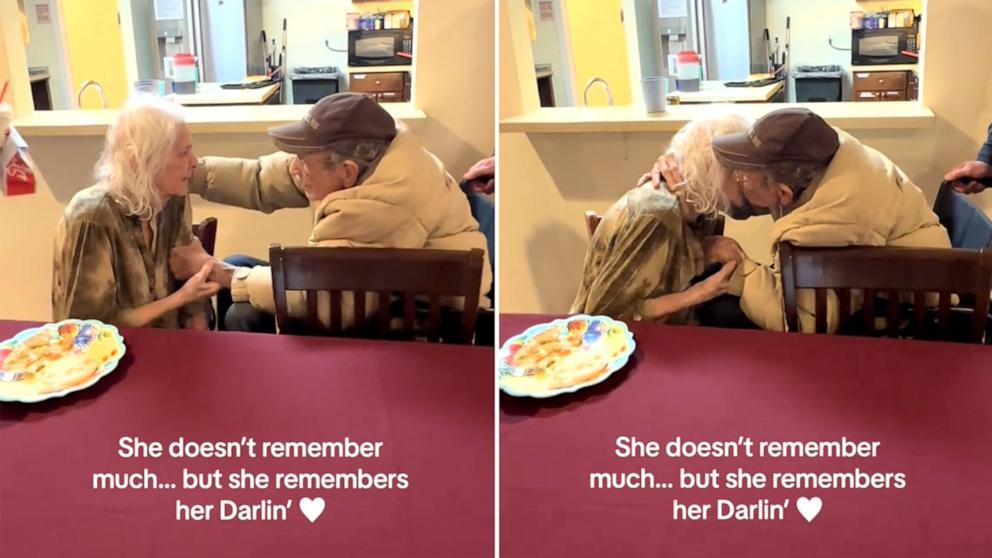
(206, 231)
(399, 277)
(890, 271)
(593, 219)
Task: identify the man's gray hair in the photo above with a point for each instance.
(364, 153)
(797, 175)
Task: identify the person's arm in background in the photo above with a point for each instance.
(981, 167)
(264, 184)
(482, 176)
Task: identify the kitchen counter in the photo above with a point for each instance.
(201, 120)
(213, 94)
(850, 116)
(717, 92)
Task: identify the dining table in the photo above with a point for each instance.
(396, 439)
(724, 442)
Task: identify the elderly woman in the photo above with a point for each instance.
(650, 247)
(113, 241)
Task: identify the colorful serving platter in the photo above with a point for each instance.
(56, 359)
(563, 356)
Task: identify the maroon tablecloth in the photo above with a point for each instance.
(929, 404)
(430, 405)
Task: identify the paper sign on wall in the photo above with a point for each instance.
(673, 8)
(547, 10)
(168, 9)
(41, 14)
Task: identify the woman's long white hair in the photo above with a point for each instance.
(692, 148)
(137, 146)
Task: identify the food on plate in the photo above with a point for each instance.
(56, 358)
(566, 353)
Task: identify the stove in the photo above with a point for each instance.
(322, 71)
(312, 83)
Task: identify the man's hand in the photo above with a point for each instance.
(665, 168)
(969, 169)
(721, 249)
(198, 287)
(185, 261)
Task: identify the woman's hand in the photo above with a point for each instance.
(198, 287)
(715, 285)
(665, 168)
(721, 249)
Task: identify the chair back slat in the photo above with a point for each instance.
(844, 303)
(868, 321)
(312, 317)
(382, 312)
(434, 319)
(359, 308)
(821, 310)
(892, 319)
(944, 315)
(206, 232)
(919, 313)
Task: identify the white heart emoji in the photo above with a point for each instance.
(810, 507)
(312, 508)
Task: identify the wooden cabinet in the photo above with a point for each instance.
(883, 86)
(384, 87)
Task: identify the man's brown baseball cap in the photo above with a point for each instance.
(333, 119)
(792, 134)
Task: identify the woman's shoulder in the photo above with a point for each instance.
(92, 205)
(647, 202)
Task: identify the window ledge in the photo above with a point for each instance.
(201, 120)
(849, 116)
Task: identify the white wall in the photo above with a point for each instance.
(455, 91)
(43, 50)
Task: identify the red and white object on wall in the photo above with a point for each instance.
(17, 175)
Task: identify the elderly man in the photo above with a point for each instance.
(823, 188)
(369, 184)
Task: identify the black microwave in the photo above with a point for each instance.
(382, 47)
(884, 46)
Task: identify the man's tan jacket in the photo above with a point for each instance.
(863, 199)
